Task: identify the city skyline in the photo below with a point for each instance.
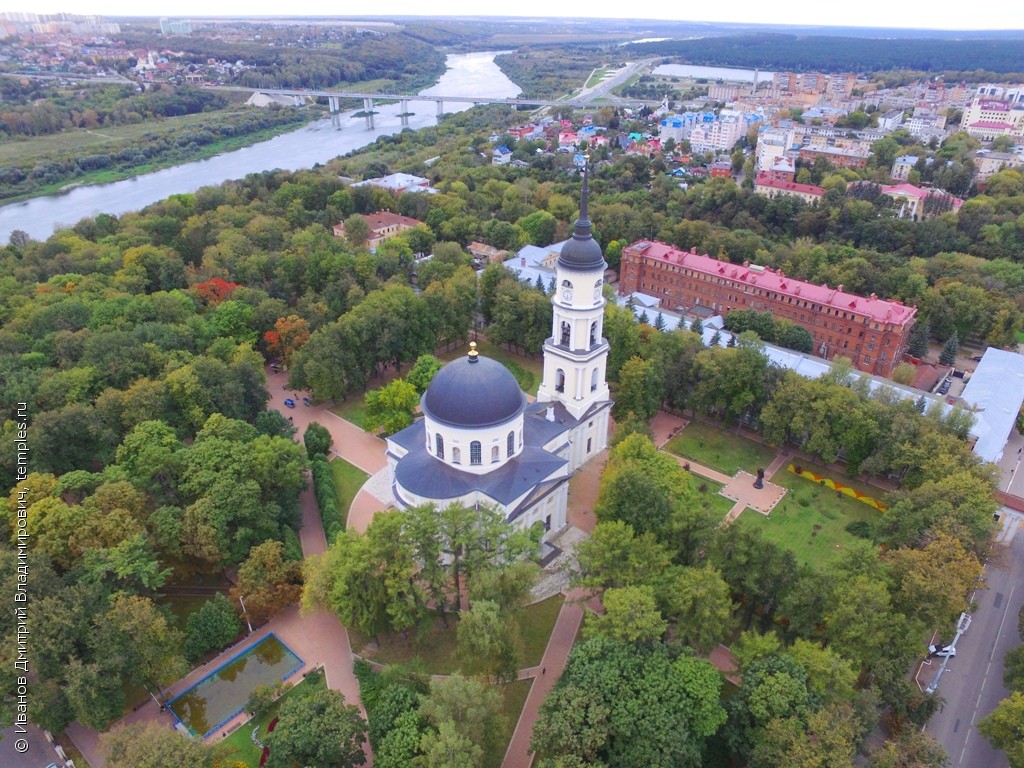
(865, 14)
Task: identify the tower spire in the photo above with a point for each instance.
(582, 228)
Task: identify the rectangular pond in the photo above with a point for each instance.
(222, 694)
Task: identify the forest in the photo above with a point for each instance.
(138, 345)
(810, 53)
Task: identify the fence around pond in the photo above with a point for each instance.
(222, 694)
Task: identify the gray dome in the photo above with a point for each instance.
(582, 253)
(473, 392)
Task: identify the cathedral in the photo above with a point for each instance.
(481, 442)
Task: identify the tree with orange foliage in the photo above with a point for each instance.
(288, 336)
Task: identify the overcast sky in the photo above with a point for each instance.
(916, 14)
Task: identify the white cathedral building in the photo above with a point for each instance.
(481, 442)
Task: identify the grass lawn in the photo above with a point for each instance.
(513, 698)
(713, 446)
(352, 408)
(434, 645)
(598, 76)
(710, 497)
(811, 520)
(240, 744)
(348, 479)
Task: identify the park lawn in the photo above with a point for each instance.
(435, 645)
(714, 446)
(711, 497)
(811, 520)
(513, 698)
(240, 745)
(348, 479)
(352, 408)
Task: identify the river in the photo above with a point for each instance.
(471, 74)
(713, 73)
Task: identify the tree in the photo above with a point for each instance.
(356, 230)
(318, 729)
(390, 408)
(950, 350)
(639, 390)
(289, 335)
(213, 626)
(447, 748)
(630, 615)
(1013, 669)
(267, 582)
(917, 342)
(1004, 728)
(487, 641)
(540, 227)
(136, 636)
(696, 326)
(472, 707)
(614, 556)
(697, 602)
(317, 439)
(152, 745)
(423, 372)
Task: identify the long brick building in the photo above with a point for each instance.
(872, 332)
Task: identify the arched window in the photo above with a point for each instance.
(566, 284)
(474, 452)
(456, 456)
(439, 445)
(510, 444)
(559, 380)
(495, 454)
(593, 333)
(565, 334)
(593, 381)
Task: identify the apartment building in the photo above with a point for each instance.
(870, 331)
(987, 119)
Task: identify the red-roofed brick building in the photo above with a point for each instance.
(872, 332)
(774, 184)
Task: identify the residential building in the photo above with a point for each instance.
(872, 332)
(501, 155)
(987, 162)
(902, 166)
(840, 158)
(925, 122)
(891, 120)
(382, 225)
(765, 183)
(720, 169)
(987, 119)
(723, 92)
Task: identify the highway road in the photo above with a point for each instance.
(972, 684)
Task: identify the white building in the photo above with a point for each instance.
(480, 442)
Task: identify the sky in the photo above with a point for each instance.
(912, 14)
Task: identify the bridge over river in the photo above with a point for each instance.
(301, 96)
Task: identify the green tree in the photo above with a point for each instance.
(390, 408)
(318, 729)
(1013, 669)
(423, 371)
(917, 342)
(540, 227)
(1004, 726)
(267, 582)
(950, 350)
(630, 615)
(614, 556)
(639, 390)
(447, 748)
(213, 626)
(473, 707)
(356, 230)
(697, 602)
(487, 641)
(317, 439)
(150, 745)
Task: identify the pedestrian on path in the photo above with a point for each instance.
(543, 670)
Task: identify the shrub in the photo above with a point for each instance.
(859, 528)
(326, 493)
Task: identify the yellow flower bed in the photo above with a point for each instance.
(828, 482)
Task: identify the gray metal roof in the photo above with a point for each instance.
(995, 394)
(426, 476)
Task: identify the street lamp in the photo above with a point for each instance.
(245, 613)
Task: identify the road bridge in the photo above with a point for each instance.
(334, 98)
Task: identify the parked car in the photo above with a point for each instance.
(289, 402)
(941, 651)
(944, 387)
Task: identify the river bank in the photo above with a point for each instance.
(473, 74)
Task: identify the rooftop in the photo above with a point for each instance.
(995, 394)
(765, 278)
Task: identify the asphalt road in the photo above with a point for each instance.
(39, 755)
(972, 684)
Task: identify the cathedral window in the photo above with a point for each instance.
(474, 453)
(559, 380)
(593, 381)
(510, 444)
(593, 333)
(565, 334)
(439, 445)
(495, 454)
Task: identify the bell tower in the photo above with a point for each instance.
(576, 354)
